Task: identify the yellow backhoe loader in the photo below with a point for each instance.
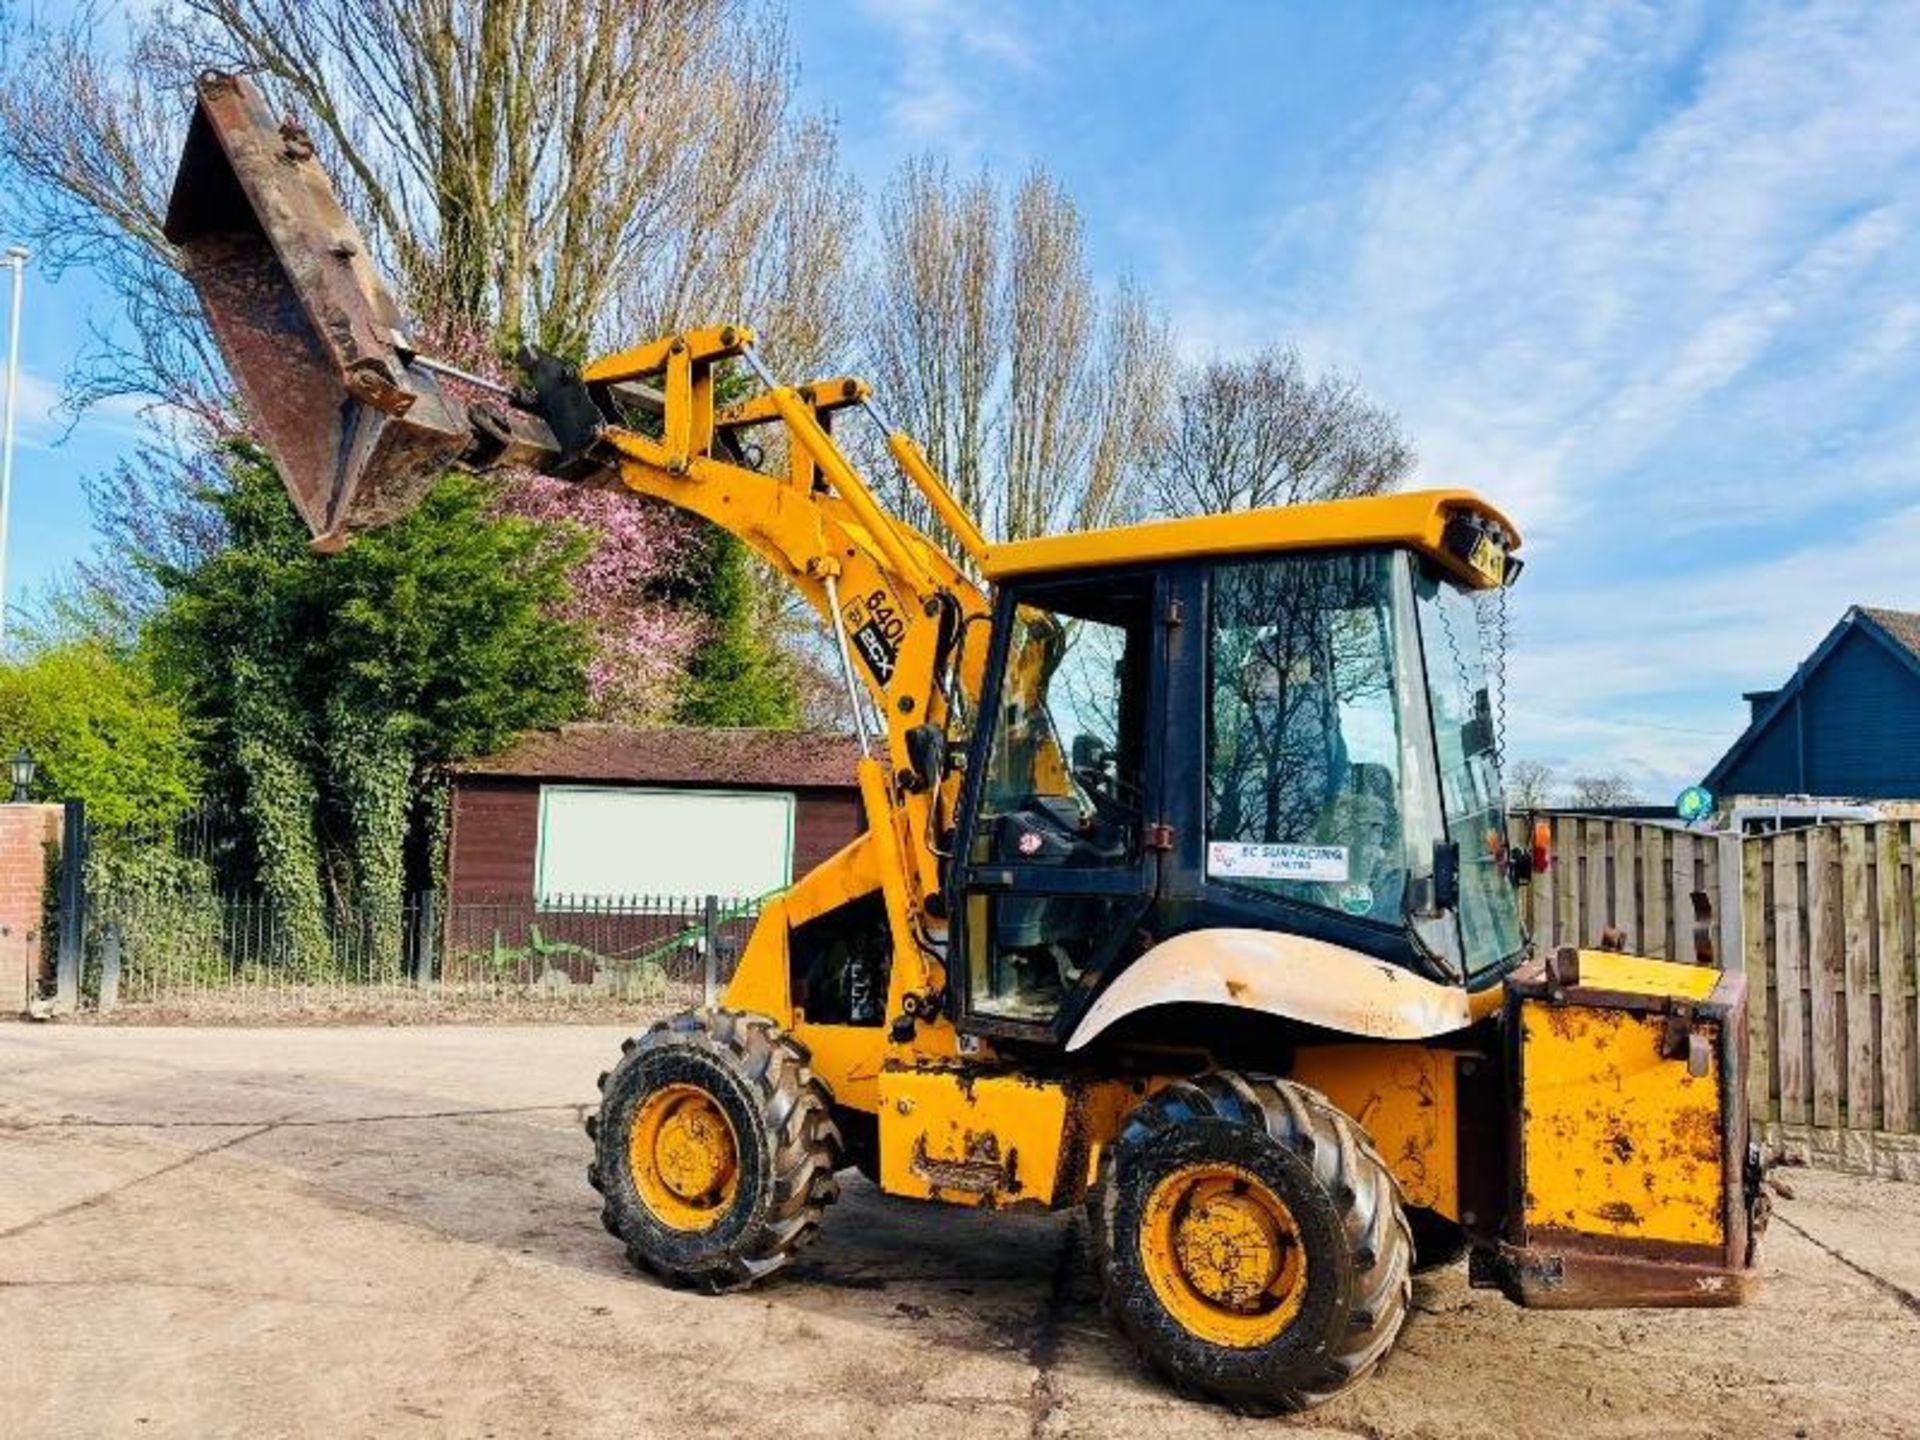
(1185, 893)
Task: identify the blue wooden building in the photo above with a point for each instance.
(1847, 725)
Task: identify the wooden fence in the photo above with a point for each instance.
(1624, 875)
(1823, 921)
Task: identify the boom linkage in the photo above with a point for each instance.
(360, 423)
(899, 607)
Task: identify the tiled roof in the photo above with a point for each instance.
(675, 755)
(1902, 625)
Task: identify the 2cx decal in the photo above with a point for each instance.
(875, 630)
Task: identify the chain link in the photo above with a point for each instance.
(1496, 631)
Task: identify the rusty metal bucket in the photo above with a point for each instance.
(314, 340)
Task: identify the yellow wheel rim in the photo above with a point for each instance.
(1223, 1255)
(684, 1157)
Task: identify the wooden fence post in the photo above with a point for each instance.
(1890, 980)
(1788, 953)
(1594, 912)
(1729, 867)
(1747, 902)
(1856, 1059)
(1654, 886)
(1566, 886)
(1825, 968)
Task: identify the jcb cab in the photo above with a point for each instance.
(1185, 893)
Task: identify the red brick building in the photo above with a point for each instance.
(591, 812)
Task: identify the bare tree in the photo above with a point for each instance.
(1600, 790)
(1530, 785)
(547, 172)
(578, 175)
(89, 138)
(990, 342)
(1262, 431)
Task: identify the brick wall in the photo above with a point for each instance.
(26, 832)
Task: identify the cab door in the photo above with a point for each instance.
(1055, 864)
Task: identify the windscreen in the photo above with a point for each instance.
(1317, 776)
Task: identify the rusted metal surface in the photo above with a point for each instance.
(1549, 1277)
(314, 340)
(979, 1170)
(1404, 1097)
(1694, 1166)
(1292, 976)
(1001, 1139)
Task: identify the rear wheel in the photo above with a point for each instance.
(1251, 1243)
(714, 1149)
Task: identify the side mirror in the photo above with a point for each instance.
(1446, 875)
(1089, 753)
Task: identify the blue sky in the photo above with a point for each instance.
(1648, 276)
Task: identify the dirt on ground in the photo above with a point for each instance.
(388, 1231)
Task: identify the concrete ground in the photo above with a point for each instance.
(388, 1232)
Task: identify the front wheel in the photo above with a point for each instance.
(714, 1149)
(1251, 1243)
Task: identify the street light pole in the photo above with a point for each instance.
(17, 258)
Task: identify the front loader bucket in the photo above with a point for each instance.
(314, 341)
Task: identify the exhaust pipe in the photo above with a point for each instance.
(315, 342)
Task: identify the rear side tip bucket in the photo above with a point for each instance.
(308, 329)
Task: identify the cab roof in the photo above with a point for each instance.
(1416, 519)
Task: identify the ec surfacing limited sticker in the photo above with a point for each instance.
(1244, 860)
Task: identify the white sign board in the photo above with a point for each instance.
(1240, 860)
(599, 842)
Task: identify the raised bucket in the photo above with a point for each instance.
(314, 340)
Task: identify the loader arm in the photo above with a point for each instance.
(360, 423)
(898, 607)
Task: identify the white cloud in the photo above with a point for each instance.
(1645, 275)
(43, 422)
(37, 422)
(947, 49)
(1567, 256)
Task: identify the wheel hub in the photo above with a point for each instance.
(1229, 1247)
(1223, 1254)
(684, 1157)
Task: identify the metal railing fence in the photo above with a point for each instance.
(168, 947)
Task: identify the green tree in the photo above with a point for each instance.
(328, 689)
(736, 676)
(102, 732)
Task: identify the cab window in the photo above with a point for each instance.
(1064, 756)
(1306, 776)
(1061, 797)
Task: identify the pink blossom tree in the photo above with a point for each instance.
(642, 639)
(642, 552)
